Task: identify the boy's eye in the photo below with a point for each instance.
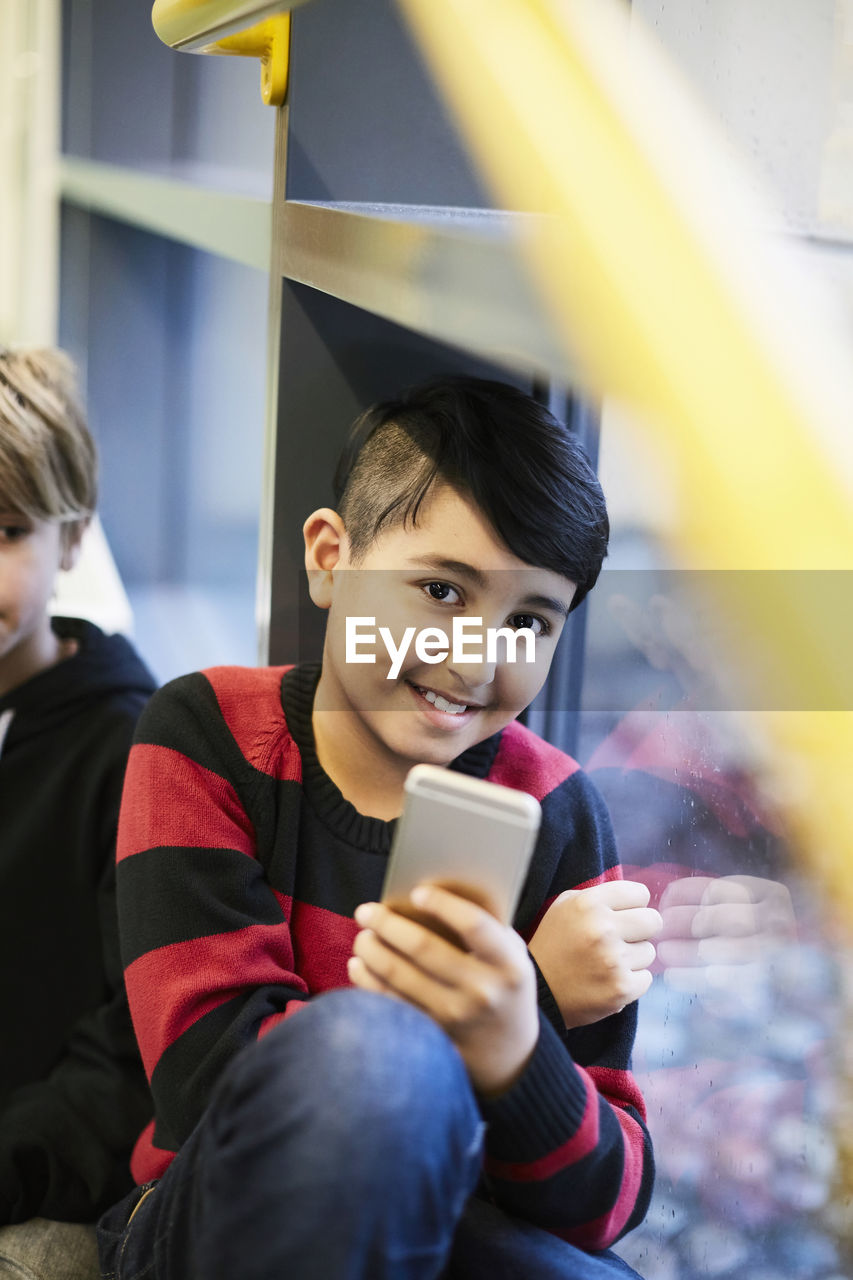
(538, 626)
(442, 591)
(13, 532)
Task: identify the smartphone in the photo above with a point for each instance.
(467, 835)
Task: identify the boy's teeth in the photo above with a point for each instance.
(454, 708)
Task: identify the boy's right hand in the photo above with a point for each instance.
(594, 949)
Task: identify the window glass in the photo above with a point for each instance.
(738, 1045)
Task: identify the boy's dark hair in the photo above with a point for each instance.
(520, 466)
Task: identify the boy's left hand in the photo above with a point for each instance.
(484, 998)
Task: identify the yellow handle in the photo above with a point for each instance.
(179, 22)
(645, 258)
(270, 41)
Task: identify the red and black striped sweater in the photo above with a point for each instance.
(239, 867)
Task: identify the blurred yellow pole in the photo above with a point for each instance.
(648, 259)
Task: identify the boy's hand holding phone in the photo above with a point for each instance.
(594, 949)
(466, 966)
(484, 997)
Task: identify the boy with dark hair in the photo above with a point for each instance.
(483, 1120)
(478, 437)
(72, 1090)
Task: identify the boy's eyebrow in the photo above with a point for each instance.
(547, 602)
(460, 569)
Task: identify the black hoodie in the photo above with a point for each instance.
(73, 1096)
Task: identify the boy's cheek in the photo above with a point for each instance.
(528, 678)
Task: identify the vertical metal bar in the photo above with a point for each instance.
(266, 531)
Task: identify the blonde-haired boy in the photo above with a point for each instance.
(72, 1091)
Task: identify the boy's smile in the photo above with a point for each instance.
(371, 729)
(449, 712)
(439, 707)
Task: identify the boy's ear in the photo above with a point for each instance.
(326, 548)
(72, 543)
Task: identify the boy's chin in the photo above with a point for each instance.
(420, 744)
(440, 758)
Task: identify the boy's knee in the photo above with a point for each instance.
(357, 1055)
(356, 1110)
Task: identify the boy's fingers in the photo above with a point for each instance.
(639, 924)
(485, 936)
(641, 955)
(398, 976)
(640, 982)
(636, 985)
(377, 967)
(418, 943)
(361, 976)
(619, 895)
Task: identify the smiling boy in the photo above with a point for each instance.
(415, 578)
(482, 1121)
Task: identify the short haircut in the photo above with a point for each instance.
(48, 462)
(524, 470)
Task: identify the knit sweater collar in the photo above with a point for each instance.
(334, 810)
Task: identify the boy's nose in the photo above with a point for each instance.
(473, 678)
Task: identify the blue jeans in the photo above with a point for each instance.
(345, 1145)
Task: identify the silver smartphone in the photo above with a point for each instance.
(467, 835)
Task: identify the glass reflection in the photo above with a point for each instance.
(737, 1048)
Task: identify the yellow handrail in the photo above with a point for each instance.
(194, 24)
(665, 298)
(247, 28)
